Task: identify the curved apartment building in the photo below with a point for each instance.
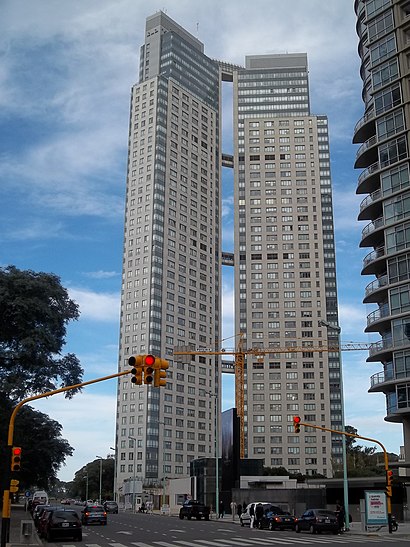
(383, 27)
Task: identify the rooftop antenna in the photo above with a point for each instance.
(197, 29)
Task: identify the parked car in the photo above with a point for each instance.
(280, 520)
(38, 512)
(194, 509)
(111, 506)
(61, 523)
(94, 514)
(316, 521)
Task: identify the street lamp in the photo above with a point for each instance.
(134, 441)
(216, 454)
(115, 472)
(338, 329)
(86, 485)
(101, 460)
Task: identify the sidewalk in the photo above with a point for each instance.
(18, 518)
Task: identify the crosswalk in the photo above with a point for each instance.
(300, 540)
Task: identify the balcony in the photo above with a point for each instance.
(377, 316)
(365, 127)
(375, 287)
(369, 179)
(367, 153)
(378, 349)
(369, 236)
(378, 381)
(374, 262)
(370, 204)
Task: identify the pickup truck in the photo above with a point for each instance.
(194, 509)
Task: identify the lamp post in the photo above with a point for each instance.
(101, 460)
(338, 330)
(115, 473)
(134, 467)
(86, 485)
(216, 454)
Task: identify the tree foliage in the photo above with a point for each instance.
(35, 310)
(77, 489)
(43, 448)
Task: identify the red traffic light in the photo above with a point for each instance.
(296, 419)
(16, 451)
(149, 360)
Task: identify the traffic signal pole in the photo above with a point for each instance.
(386, 465)
(5, 521)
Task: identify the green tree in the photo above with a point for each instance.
(91, 472)
(35, 310)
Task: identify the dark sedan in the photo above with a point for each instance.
(94, 514)
(281, 520)
(317, 521)
(61, 523)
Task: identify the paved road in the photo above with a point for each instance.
(128, 530)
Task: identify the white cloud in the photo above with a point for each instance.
(88, 422)
(96, 306)
(101, 274)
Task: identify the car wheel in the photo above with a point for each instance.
(297, 529)
(312, 529)
(242, 524)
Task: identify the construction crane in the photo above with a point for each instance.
(259, 353)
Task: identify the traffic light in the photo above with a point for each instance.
(149, 361)
(137, 363)
(296, 423)
(16, 458)
(389, 486)
(14, 486)
(160, 375)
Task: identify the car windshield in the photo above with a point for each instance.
(95, 508)
(110, 503)
(324, 513)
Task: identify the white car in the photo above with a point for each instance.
(245, 517)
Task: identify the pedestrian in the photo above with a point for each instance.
(341, 515)
(221, 509)
(258, 515)
(233, 509)
(239, 510)
(252, 515)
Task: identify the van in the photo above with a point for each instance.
(245, 518)
(40, 497)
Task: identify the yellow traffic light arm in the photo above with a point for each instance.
(386, 459)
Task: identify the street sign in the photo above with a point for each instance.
(28, 494)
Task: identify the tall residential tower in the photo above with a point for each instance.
(284, 259)
(383, 27)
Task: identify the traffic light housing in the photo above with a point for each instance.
(137, 363)
(160, 375)
(14, 486)
(389, 485)
(16, 458)
(149, 362)
(296, 424)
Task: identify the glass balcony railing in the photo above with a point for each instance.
(372, 226)
(378, 314)
(374, 255)
(368, 144)
(368, 200)
(367, 172)
(378, 347)
(375, 285)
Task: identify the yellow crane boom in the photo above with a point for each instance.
(239, 366)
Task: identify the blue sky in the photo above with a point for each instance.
(65, 79)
